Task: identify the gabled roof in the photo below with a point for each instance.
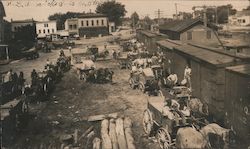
(180, 25)
(2, 11)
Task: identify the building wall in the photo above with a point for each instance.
(71, 25)
(237, 98)
(172, 35)
(93, 31)
(15, 26)
(97, 22)
(45, 28)
(200, 33)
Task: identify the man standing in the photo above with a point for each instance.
(187, 77)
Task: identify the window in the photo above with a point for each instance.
(40, 31)
(82, 23)
(46, 25)
(74, 26)
(44, 31)
(243, 21)
(209, 34)
(70, 27)
(87, 23)
(97, 22)
(48, 30)
(92, 22)
(52, 30)
(102, 22)
(189, 35)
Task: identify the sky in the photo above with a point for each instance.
(41, 9)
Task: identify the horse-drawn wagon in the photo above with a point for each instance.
(145, 81)
(31, 54)
(124, 62)
(167, 116)
(84, 68)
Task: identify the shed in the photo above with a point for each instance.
(237, 103)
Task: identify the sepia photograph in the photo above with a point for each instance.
(124, 74)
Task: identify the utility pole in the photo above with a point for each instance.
(176, 10)
(159, 12)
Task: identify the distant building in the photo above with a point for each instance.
(21, 28)
(71, 25)
(16, 24)
(241, 18)
(189, 30)
(2, 15)
(89, 25)
(45, 28)
(4, 51)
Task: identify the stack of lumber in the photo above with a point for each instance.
(115, 134)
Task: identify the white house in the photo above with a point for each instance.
(45, 28)
(241, 18)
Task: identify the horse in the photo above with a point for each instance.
(189, 137)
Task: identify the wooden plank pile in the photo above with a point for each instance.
(115, 134)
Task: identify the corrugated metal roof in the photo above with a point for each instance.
(180, 25)
(242, 69)
(2, 10)
(206, 55)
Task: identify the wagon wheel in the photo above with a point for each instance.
(25, 107)
(131, 83)
(147, 122)
(128, 66)
(84, 77)
(163, 138)
(142, 87)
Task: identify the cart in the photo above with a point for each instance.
(31, 54)
(84, 68)
(124, 62)
(166, 121)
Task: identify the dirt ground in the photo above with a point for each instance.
(74, 100)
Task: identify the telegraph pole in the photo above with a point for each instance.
(159, 12)
(176, 10)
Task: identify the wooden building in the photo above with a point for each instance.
(237, 103)
(149, 39)
(208, 71)
(190, 30)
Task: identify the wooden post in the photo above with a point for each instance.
(128, 133)
(120, 134)
(7, 53)
(106, 142)
(112, 134)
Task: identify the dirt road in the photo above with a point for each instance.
(73, 100)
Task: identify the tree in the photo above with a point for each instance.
(60, 18)
(224, 11)
(185, 15)
(115, 11)
(135, 18)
